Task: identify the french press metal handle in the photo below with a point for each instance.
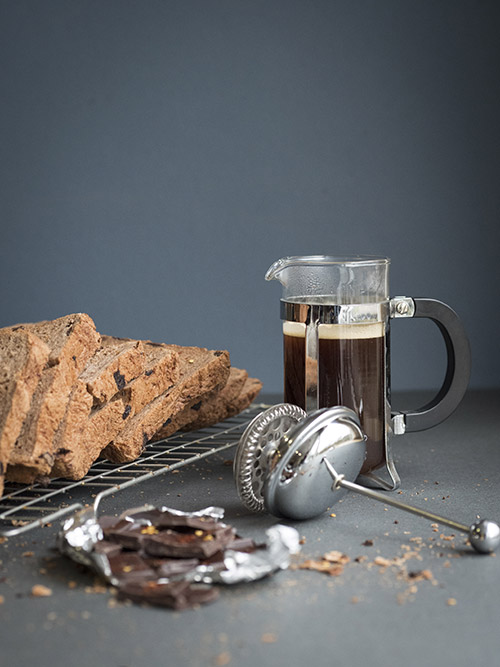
(457, 373)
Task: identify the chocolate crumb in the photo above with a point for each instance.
(126, 412)
(149, 372)
(367, 543)
(196, 406)
(119, 379)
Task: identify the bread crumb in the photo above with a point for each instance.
(96, 588)
(336, 557)
(223, 658)
(451, 602)
(268, 638)
(40, 591)
(333, 569)
(361, 559)
(2, 599)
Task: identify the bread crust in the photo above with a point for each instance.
(71, 340)
(93, 427)
(201, 371)
(23, 357)
(207, 407)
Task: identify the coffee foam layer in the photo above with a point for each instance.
(337, 331)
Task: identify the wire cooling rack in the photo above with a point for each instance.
(25, 507)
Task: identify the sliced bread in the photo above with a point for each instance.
(71, 340)
(201, 371)
(112, 367)
(196, 413)
(22, 359)
(89, 428)
(220, 407)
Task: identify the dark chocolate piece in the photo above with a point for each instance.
(119, 379)
(173, 544)
(107, 548)
(171, 567)
(129, 566)
(176, 595)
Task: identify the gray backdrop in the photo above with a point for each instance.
(157, 156)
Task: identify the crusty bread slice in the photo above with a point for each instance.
(22, 358)
(220, 407)
(72, 340)
(89, 428)
(201, 371)
(112, 367)
(196, 412)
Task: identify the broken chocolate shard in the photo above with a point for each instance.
(176, 595)
(172, 567)
(119, 379)
(193, 544)
(129, 567)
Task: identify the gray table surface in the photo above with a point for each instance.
(369, 614)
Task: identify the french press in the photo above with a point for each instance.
(336, 314)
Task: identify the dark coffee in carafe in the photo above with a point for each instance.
(350, 370)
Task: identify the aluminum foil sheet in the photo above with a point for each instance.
(171, 558)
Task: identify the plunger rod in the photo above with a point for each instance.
(484, 535)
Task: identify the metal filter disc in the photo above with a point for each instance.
(256, 447)
(298, 484)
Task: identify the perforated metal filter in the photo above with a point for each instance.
(257, 445)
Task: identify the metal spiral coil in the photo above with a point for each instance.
(256, 447)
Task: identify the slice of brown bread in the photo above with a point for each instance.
(72, 340)
(200, 409)
(220, 407)
(92, 427)
(112, 367)
(22, 358)
(201, 371)
(116, 362)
